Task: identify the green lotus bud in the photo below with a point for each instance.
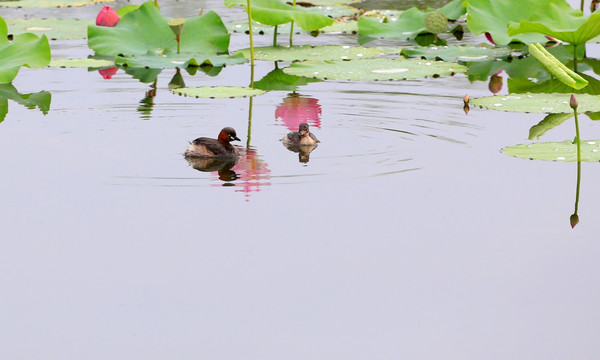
(436, 22)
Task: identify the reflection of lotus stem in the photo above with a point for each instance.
(275, 36)
(249, 123)
(292, 26)
(581, 6)
(251, 45)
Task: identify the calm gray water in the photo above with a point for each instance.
(408, 235)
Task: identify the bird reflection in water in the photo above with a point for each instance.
(302, 150)
(302, 142)
(223, 167)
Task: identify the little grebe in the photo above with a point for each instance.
(214, 148)
(301, 137)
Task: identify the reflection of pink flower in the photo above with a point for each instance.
(297, 109)
(251, 171)
(107, 17)
(108, 72)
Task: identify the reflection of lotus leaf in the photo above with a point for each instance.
(41, 100)
(50, 3)
(218, 91)
(538, 103)
(556, 151)
(373, 69)
(55, 29)
(328, 52)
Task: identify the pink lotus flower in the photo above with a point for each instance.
(297, 109)
(108, 72)
(107, 17)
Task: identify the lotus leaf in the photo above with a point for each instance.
(81, 63)
(145, 29)
(373, 69)
(41, 99)
(560, 21)
(494, 17)
(339, 26)
(556, 67)
(328, 52)
(218, 91)
(55, 29)
(556, 151)
(170, 61)
(538, 103)
(458, 53)
(278, 80)
(49, 3)
(274, 12)
(408, 24)
(25, 50)
(516, 86)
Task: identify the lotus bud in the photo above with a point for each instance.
(573, 102)
(574, 220)
(495, 84)
(488, 36)
(107, 17)
(466, 99)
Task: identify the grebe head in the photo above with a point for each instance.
(303, 129)
(228, 134)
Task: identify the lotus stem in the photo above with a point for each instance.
(574, 57)
(178, 39)
(275, 36)
(581, 6)
(578, 139)
(251, 46)
(292, 26)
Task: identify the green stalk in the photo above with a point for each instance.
(574, 219)
(249, 122)
(575, 55)
(178, 38)
(251, 46)
(275, 36)
(292, 26)
(581, 6)
(577, 137)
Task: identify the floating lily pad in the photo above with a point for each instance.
(328, 52)
(81, 63)
(556, 151)
(55, 29)
(538, 103)
(340, 26)
(458, 53)
(170, 61)
(373, 69)
(25, 50)
(218, 91)
(49, 3)
(274, 12)
(145, 29)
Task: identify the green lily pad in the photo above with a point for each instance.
(538, 103)
(55, 29)
(25, 50)
(373, 69)
(339, 26)
(49, 3)
(556, 151)
(494, 17)
(218, 91)
(459, 53)
(274, 12)
(560, 21)
(295, 53)
(81, 63)
(278, 80)
(145, 29)
(170, 61)
(41, 99)
(407, 25)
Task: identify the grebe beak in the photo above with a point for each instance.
(235, 138)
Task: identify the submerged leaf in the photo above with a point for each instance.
(373, 69)
(556, 151)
